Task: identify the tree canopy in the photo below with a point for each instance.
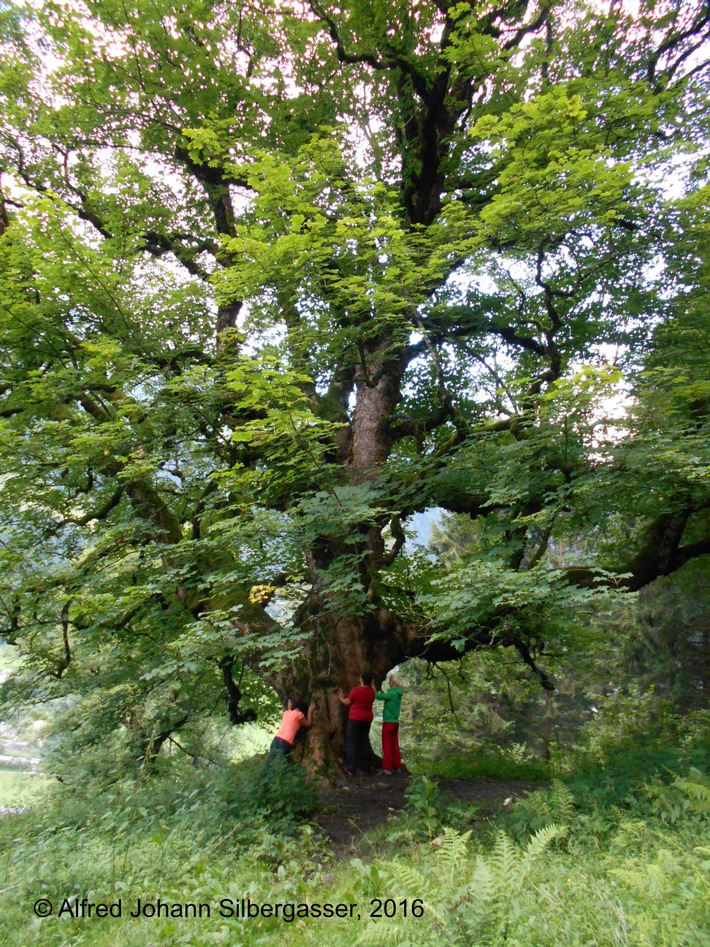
(274, 278)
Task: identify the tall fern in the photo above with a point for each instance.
(466, 900)
(554, 806)
(697, 788)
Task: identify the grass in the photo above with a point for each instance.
(486, 764)
(566, 865)
(638, 881)
(20, 789)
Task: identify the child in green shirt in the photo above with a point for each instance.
(391, 758)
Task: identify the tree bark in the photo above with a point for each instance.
(336, 652)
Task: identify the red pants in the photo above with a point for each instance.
(390, 746)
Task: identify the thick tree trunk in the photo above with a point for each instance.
(340, 647)
(336, 653)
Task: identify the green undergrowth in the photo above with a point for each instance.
(180, 836)
(487, 763)
(570, 864)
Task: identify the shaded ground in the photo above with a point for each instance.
(354, 806)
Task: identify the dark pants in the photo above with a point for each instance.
(357, 740)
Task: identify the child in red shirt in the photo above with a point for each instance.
(357, 733)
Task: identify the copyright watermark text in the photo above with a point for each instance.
(240, 908)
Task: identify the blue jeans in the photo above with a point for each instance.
(280, 746)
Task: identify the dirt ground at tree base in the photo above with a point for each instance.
(353, 806)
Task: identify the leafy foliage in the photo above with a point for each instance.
(274, 279)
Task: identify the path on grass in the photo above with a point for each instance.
(352, 807)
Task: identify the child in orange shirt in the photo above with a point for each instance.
(293, 720)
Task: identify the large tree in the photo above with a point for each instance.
(275, 278)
